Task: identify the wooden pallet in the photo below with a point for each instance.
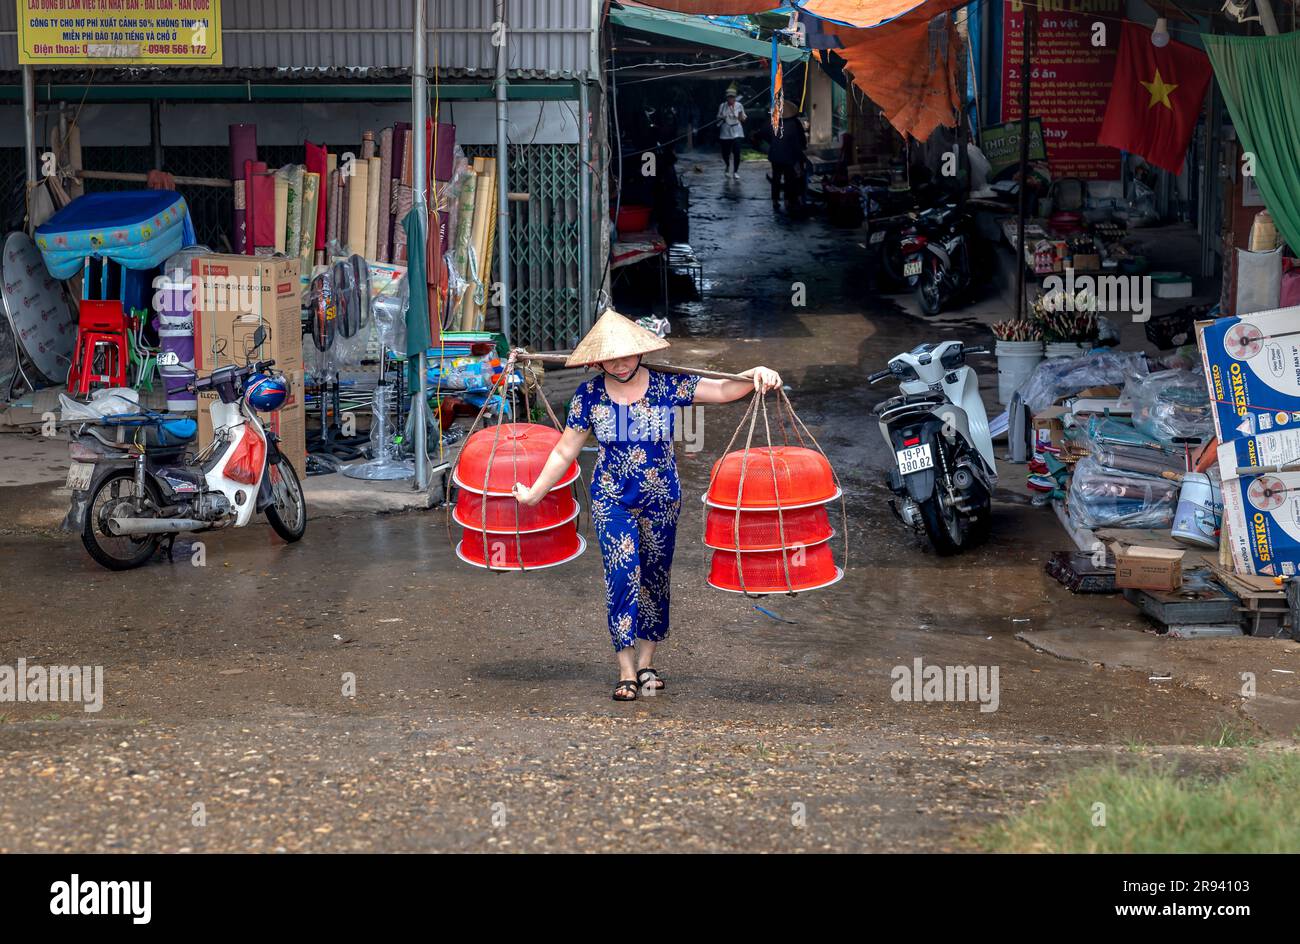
(1263, 604)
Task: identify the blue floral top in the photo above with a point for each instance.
(635, 466)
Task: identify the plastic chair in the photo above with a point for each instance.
(102, 351)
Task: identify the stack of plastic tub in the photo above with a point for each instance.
(497, 532)
(767, 521)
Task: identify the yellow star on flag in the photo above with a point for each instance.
(1159, 90)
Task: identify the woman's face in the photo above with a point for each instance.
(621, 368)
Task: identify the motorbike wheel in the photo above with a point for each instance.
(288, 516)
(116, 552)
(891, 262)
(946, 529)
(929, 288)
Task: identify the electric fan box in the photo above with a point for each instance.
(1261, 510)
(1252, 368)
(232, 297)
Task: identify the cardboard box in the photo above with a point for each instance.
(233, 297)
(1140, 567)
(1261, 510)
(1049, 427)
(1252, 366)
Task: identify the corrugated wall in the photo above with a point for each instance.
(546, 38)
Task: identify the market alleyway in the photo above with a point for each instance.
(482, 717)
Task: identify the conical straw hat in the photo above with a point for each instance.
(614, 336)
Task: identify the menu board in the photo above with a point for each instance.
(1069, 79)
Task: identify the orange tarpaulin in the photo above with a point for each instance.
(910, 67)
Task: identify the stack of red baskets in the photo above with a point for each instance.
(771, 533)
(497, 532)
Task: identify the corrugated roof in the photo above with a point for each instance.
(544, 39)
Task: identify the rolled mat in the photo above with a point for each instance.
(293, 213)
(372, 208)
(317, 162)
(395, 179)
(333, 204)
(403, 196)
(358, 186)
(310, 200)
(281, 208)
(243, 147)
(384, 242)
(367, 145)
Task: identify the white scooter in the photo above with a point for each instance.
(133, 482)
(944, 472)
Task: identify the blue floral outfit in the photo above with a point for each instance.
(635, 498)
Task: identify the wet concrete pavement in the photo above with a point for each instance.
(481, 717)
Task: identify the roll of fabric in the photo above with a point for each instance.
(367, 145)
(317, 162)
(372, 208)
(395, 180)
(465, 224)
(281, 207)
(243, 148)
(250, 208)
(358, 186)
(399, 235)
(310, 200)
(443, 150)
(384, 243)
(263, 205)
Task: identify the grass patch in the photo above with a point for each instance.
(1229, 734)
(1150, 809)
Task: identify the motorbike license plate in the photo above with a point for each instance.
(915, 459)
(79, 475)
(911, 267)
(877, 237)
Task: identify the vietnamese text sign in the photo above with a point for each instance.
(119, 32)
(1072, 64)
(1001, 145)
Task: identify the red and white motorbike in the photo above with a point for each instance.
(133, 482)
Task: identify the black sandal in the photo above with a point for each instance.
(655, 682)
(626, 685)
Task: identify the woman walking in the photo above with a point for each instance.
(635, 493)
(731, 132)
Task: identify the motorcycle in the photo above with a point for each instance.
(937, 256)
(133, 482)
(944, 472)
(889, 214)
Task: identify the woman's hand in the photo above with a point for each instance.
(765, 378)
(524, 495)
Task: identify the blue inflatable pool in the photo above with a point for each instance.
(137, 229)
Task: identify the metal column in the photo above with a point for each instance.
(584, 210)
(29, 121)
(419, 177)
(503, 167)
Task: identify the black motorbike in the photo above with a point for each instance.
(938, 252)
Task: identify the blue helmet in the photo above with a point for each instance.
(266, 393)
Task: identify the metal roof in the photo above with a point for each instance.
(698, 29)
(545, 39)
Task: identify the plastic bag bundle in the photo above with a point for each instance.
(1171, 404)
(1057, 377)
(1106, 498)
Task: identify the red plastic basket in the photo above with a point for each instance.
(503, 514)
(811, 568)
(521, 451)
(760, 530)
(505, 551)
(803, 477)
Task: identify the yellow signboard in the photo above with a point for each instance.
(119, 32)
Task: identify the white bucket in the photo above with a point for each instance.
(1067, 348)
(1200, 511)
(1016, 362)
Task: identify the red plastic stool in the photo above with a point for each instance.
(102, 338)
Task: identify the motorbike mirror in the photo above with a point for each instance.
(259, 337)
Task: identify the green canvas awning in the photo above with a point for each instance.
(694, 29)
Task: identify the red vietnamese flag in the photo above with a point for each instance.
(1155, 98)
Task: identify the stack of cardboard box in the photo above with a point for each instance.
(233, 297)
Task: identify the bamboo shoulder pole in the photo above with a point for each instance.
(665, 368)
